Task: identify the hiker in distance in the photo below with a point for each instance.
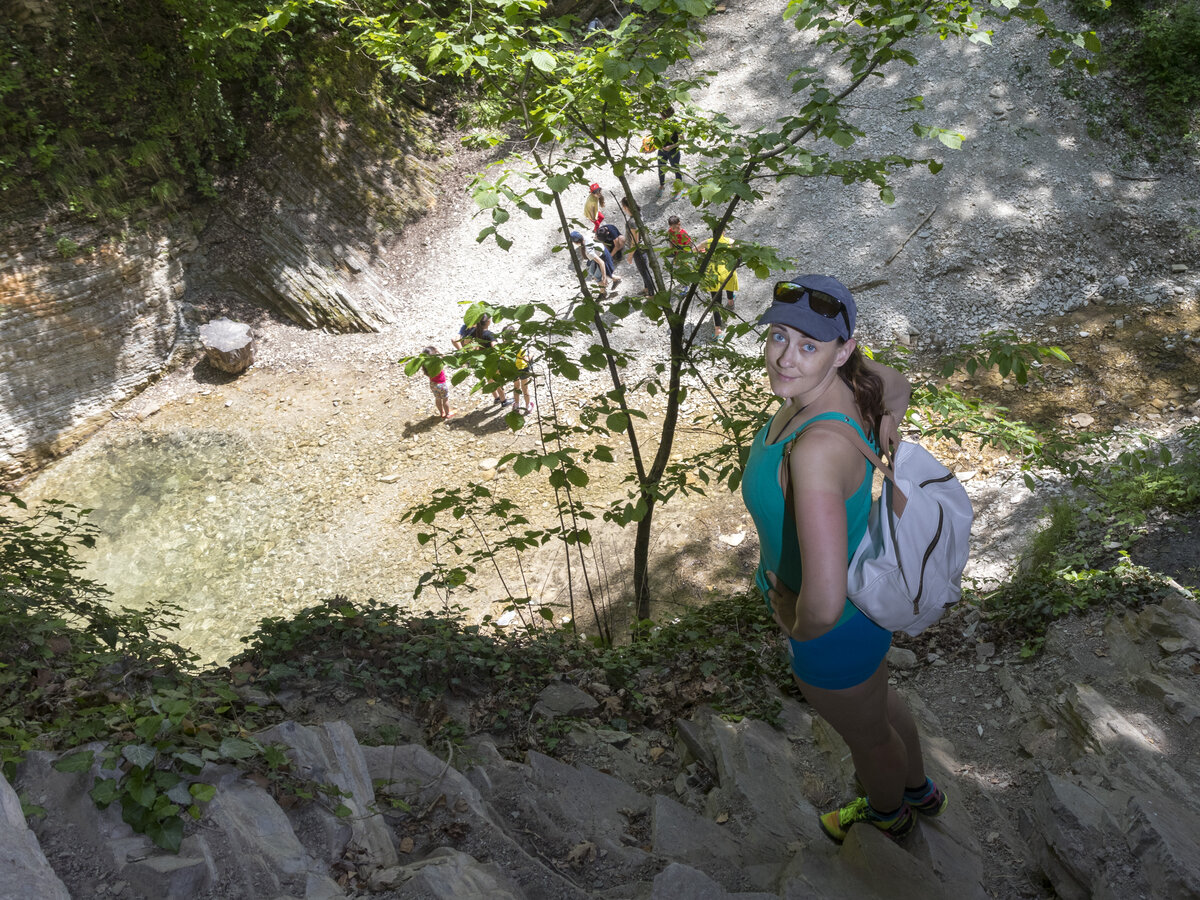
(810, 509)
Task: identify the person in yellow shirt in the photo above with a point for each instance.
(720, 277)
(593, 206)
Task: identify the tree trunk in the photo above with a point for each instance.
(649, 485)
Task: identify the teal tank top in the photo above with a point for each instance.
(777, 526)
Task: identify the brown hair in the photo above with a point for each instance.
(867, 387)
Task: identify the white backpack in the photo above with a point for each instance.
(908, 566)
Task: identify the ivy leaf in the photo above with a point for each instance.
(169, 834)
(104, 792)
(140, 755)
(236, 748)
(951, 139)
(79, 761)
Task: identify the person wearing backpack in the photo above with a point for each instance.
(637, 247)
(597, 260)
(610, 236)
(810, 514)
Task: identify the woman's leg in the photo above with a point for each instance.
(902, 721)
(642, 264)
(870, 718)
(715, 297)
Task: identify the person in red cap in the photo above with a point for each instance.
(593, 206)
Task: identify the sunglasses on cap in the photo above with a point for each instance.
(821, 303)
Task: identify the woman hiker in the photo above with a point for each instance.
(806, 540)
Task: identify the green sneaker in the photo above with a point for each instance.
(837, 824)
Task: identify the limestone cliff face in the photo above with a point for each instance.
(299, 229)
(84, 324)
(87, 319)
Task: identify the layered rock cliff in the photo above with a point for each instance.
(89, 314)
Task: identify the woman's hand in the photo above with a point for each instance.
(783, 603)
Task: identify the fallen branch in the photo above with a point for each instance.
(920, 225)
(867, 285)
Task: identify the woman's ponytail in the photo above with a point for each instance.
(867, 387)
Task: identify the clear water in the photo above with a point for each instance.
(234, 526)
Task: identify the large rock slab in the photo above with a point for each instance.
(329, 754)
(24, 871)
(259, 851)
(447, 874)
(759, 784)
(683, 836)
(680, 882)
(428, 800)
(1076, 838)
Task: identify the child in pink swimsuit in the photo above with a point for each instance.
(432, 367)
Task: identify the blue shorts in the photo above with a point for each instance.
(846, 655)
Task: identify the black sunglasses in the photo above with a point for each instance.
(821, 303)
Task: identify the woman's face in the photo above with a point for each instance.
(800, 366)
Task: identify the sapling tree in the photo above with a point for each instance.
(575, 102)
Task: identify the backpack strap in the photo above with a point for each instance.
(843, 427)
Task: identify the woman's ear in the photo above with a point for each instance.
(844, 352)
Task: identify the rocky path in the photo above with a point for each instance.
(1070, 777)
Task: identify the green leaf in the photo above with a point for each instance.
(140, 755)
(617, 421)
(147, 727)
(202, 792)
(236, 748)
(842, 138)
(104, 792)
(523, 465)
(543, 60)
(951, 139)
(190, 760)
(577, 476)
(168, 834)
(79, 761)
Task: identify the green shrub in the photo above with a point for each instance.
(114, 105)
(1155, 46)
(1163, 59)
